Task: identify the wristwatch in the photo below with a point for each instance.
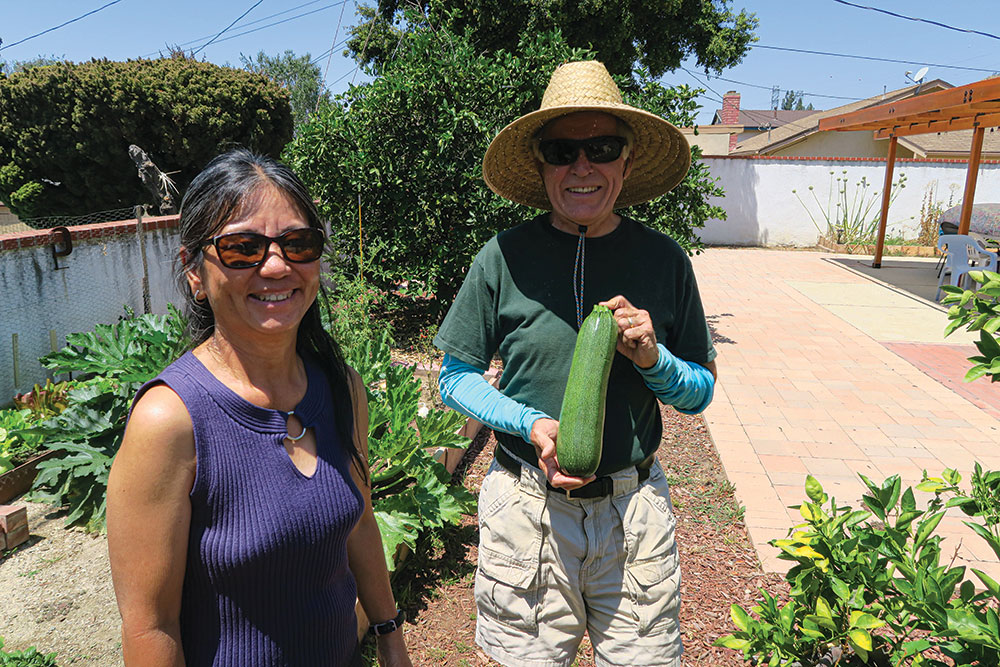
(393, 624)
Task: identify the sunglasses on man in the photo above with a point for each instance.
(560, 152)
(244, 250)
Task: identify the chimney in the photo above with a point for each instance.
(731, 114)
(730, 108)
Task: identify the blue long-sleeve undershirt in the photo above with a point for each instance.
(687, 386)
(463, 388)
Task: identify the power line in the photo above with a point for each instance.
(263, 27)
(884, 60)
(196, 52)
(113, 2)
(918, 20)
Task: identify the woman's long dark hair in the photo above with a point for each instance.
(216, 196)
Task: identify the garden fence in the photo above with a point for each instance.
(67, 278)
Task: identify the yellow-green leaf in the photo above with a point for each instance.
(860, 638)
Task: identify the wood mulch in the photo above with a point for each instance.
(718, 561)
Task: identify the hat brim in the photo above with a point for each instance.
(661, 156)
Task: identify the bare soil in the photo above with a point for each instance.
(56, 593)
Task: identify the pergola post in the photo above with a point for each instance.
(890, 162)
(975, 155)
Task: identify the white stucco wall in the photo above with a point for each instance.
(92, 285)
(762, 209)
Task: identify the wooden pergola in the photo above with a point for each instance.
(975, 106)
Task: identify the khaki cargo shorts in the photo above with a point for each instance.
(552, 567)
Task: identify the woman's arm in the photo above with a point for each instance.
(364, 546)
(149, 514)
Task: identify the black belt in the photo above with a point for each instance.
(600, 487)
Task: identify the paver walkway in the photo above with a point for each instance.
(824, 370)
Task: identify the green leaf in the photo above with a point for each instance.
(991, 585)
(740, 618)
(864, 620)
(926, 527)
(731, 642)
(860, 638)
(814, 490)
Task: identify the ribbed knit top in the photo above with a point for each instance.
(267, 579)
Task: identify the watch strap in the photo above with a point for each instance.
(393, 624)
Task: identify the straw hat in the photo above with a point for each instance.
(661, 153)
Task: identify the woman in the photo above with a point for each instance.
(240, 523)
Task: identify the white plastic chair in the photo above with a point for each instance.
(962, 254)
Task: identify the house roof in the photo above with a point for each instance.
(764, 118)
(956, 141)
(799, 129)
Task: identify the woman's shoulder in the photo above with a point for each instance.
(159, 412)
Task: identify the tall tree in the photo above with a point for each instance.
(65, 129)
(298, 75)
(792, 101)
(657, 34)
(401, 157)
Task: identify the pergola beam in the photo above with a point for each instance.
(944, 102)
(927, 127)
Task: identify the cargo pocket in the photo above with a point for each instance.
(510, 544)
(652, 575)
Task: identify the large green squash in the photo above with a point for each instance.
(581, 419)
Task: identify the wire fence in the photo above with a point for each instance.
(111, 215)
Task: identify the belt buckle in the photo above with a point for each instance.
(569, 494)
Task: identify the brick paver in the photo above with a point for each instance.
(804, 390)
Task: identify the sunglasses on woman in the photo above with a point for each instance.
(244, 250)
(560, 152)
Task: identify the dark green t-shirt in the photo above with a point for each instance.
(517, 299)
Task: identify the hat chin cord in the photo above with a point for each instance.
(578, 276)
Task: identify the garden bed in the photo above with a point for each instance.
(15, 482)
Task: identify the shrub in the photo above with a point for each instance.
(871, 582)
(65, 128)
(977, 309)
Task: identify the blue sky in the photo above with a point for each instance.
(139, 28)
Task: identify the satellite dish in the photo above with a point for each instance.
(918, 77)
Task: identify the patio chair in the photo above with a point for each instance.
(962, 254)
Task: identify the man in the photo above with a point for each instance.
(560, 554)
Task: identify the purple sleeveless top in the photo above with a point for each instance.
(267, 579)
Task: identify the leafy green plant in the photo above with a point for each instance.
(45, 401)
(15, 448)
(851, 218)
(410, 489)
(27, 658)
(114, 361)
(353, 315)
(977, 309)
(868, 585)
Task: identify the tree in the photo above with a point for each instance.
(658, 34)
(298, 75)
(793, 101)
(65, 129)
(407, 148)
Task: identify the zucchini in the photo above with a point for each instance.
(581, 418)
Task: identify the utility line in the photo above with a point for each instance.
(196, 52)
(884, 60)
(113, 2)
(918, 20)
(336, 33)
(246, 25)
